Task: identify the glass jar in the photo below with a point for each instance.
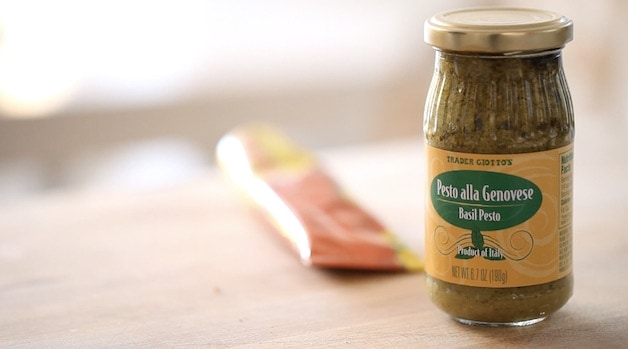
(499, 131)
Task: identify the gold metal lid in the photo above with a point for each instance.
(498, 30)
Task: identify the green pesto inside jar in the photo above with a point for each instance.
(499, 104)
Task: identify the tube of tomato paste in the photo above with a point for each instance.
(306, 206)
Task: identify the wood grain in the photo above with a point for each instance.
(189, 266)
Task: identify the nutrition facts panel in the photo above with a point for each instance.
(566, 185)
(566, 210)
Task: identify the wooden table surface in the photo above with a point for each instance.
(189, 266)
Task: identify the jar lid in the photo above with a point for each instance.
(498, 30)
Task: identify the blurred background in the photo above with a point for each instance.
(136, 93)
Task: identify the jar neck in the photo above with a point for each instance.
(557, 52)
(484, 67)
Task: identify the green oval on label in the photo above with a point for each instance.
(484, 200)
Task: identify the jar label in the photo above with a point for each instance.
(499, 220)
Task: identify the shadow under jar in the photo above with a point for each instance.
(499, 131)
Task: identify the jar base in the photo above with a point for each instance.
(500, 324)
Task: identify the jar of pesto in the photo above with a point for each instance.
(499, 131)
